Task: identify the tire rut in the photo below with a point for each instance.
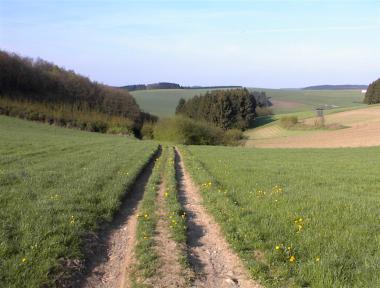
(112, 252)
(170, 273)
(213, 261)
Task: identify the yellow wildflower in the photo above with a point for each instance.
(292, 259)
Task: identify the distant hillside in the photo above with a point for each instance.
(42, 91)
(213, 87)
(336, 87)
(160, 85)
(168, 85)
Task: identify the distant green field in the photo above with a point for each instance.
(164, 102)
(309, 99)
(297, 218)
(57, 184)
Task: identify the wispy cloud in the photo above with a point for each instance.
(258, 42)
(316, 29)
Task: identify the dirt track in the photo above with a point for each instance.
(212, 259)
(213, 262)
(111, 262)
(170, 273)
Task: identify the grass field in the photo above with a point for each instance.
(305, 100)
(56, 185)
(164, 102)
(298, 218)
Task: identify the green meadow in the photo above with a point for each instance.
(297, 218)
(162, 102)
(309, 99)
(57, 185)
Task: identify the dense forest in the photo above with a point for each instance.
(373, 93)
(234, 108)
(52, 90)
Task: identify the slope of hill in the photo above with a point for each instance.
(164, 101)
(159, 85)
(56, 186)
(169, 85)
(360, 128)
(51, 90)
(336, 87)
(298, 217)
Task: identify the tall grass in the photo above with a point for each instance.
(176, 215)
(146, 255)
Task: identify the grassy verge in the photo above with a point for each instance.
(292, 221)
(146, 256)
(176, 216)
(56, 185)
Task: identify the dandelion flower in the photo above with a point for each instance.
(292, 259)
(277, 247)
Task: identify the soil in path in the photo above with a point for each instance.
(214, 263)
(112, 255)
(170, 273)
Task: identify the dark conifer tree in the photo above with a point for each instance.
(372, 95)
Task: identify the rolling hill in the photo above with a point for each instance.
(336, 87)
(162, 102)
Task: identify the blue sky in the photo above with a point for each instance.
(290, 43)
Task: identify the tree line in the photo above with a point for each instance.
(160, 85)
(26, 80)
(168, 85)
(372, 95)
(227, 109)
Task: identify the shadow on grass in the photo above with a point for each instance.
(262, 120)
